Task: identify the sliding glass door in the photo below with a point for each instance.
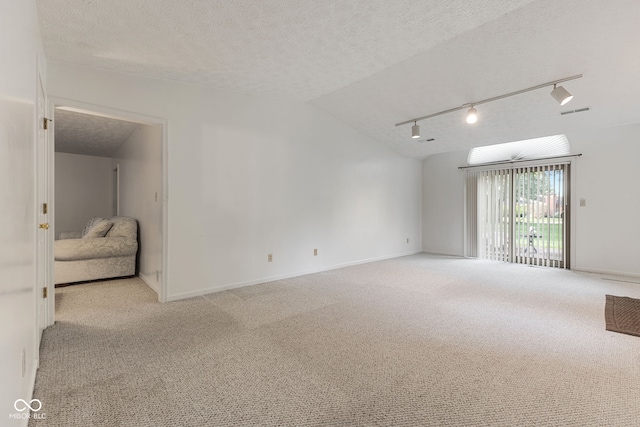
(519, 214)
(540, 232)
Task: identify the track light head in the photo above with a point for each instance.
(472, 115)
(561, 95)
(415, 130)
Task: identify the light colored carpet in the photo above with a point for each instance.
(413, 341)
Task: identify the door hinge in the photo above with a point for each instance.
(45, 208)
(45, 292)
(45, 123)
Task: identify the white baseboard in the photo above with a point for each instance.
(608, 272)
(32, 386)
(151, 283)
(226, 287)
(426, 251)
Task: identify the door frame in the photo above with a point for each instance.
(115, 188)
(113, 113)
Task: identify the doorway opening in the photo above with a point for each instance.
(109, 164)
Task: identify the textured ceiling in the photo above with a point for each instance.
(373, 63)
(541, 42)
(79, 133)
(298, 49)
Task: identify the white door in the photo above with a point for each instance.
(44, 242)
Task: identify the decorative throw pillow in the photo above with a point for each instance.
(93, 221)
(98, 230)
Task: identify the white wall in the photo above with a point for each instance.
(443, 203)
(249, 176)
(606, 235)
(18, 49)
(140, 162)
(83, 190)
(607, 230)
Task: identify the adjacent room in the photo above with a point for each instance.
(107, 168)
(359, 213)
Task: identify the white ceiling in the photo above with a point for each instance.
(90, 135)
(373, 63)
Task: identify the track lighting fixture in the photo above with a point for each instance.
(415, 130)
(472, 115)
(559, 93)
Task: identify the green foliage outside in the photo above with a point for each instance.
(550, 228)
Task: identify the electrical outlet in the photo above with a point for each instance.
(270, 258)
(407, 240)
(315, 252)
(583, 202)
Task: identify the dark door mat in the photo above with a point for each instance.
(622, 314)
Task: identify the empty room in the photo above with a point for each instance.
(359, 213)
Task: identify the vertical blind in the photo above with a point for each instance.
(471, 223)
(494, 212)
(519, 215)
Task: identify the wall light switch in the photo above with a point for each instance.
(315, 252)
(583, 202)
(270, 258)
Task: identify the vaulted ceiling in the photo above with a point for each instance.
(374, 63)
